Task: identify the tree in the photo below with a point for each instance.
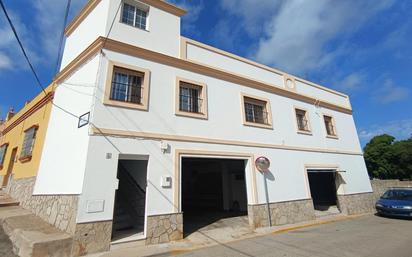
(389, 159)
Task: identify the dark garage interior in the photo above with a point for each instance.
(322, 188)
(212, 190)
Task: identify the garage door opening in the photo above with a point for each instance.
(213, 194)
(130, 201)
(323, 191)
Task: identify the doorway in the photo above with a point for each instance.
(6, 177)
(130, 201)
(213, 193)
(323, 191)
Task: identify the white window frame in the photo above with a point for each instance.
(141, 7)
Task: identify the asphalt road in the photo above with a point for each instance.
(365, 236)
(6, 248)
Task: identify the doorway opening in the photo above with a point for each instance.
(130, 201)
(213, 194)
(6, 177)
(323, 191)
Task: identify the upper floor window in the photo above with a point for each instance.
(191, 98)
(3, 151)
(127, 86)
(256, 112)
(135, 16)
(330, 126)
(302, 120)
(28, 143)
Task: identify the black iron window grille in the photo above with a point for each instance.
(127, 87)
(189, 98)
(256, 113)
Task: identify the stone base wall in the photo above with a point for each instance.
(58, 210)
(164, 228)
(92, 238)
(380, 186)
(356, 203)
(281, 213)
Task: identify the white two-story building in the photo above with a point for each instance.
(171, 128)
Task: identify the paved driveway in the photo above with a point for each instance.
(6, 248)
(365, 236)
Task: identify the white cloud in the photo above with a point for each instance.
(351, 82)
(297, 37)
(49, 22)
(41, 40)
(193, 9)
(5, 62)
(253, 13)
(389, 92)
(401, 129)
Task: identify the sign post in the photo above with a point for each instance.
(263, 164)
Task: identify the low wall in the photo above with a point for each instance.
(58, 210)
(281, 213)
(380, 186)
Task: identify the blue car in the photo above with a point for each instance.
(396, 202)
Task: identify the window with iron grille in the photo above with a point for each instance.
(329, 124)
(28, 142)
(189, 98)
(302, 121)
(3, 150)
(255, 111)
(134, 16)
(126, 86)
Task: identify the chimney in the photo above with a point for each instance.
(10, 114)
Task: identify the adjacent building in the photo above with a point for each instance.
(151, 129)
(21, 144)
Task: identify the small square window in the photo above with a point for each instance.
(134, 16)
(256, 112)
(126, 86)
(191, 99)
(28, 143)
(330, 126)
(302, 120)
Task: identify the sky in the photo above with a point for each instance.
(362, 48)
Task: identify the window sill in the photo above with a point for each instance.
(332, 137)
(195, 115)
(121, 104)
(145, 30)
(25, 159)
(305, 132)
(258, 125)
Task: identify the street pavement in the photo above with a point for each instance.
(6, 247)
(367, 236)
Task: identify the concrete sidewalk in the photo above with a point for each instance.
(367, 236)
(210, 238)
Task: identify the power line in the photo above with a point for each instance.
(62, 36)
(21, 46)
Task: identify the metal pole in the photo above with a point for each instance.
(267, 198)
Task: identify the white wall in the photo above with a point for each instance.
(225, 122)
(287, 169)
(93, 26)
(65, 149)
(163, 34)
(224, 109)
(210, 58)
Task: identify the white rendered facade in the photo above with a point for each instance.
(80, 161)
